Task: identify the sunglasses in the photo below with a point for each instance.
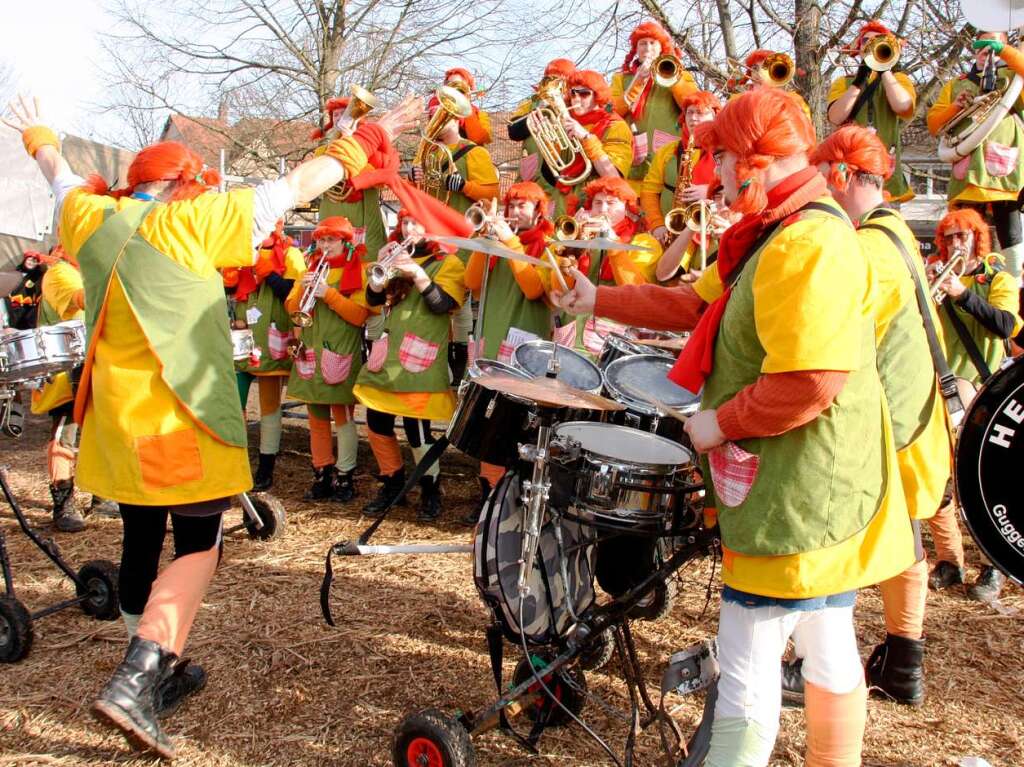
(581, 92)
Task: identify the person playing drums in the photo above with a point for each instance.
(406, 374)
(780, 352)
(328, 356)
(515, 308)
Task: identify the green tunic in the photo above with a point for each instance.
(270, 332)
(992, 348)
(506, 307)
(877, 114)
(531, 169)
(661, 113)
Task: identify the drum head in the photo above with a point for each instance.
(630, 380)
(484, 366)
(574, 369)
(989, 456)
(620, 443)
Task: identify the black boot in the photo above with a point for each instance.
(430, 498)
(66, 516)
(458, 358)
(345, 486)
(390, 489)
(485, 492)
(793, 682)
(103, 507)
(944, 575)
(895, 670)
(323, 484)
(988, 586)
(186, 679)
(129, 699)
(264, 478)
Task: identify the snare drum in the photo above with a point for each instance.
(617, 346)
(34, 355)
(614, 477)
(574, 369)
(637, 336)
(629, 379)
(242, 343)
(489, 425)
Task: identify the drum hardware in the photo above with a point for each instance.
(31, 358)
(263, 516)
(574, 372)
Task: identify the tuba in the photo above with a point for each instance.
(432, 156)
(559, 150)
(881, 53)
(968, 129)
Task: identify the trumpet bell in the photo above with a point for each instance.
(361, 103)
(881, 53)
(689, 217)
(566, 228)
(778, 70)
(667, 70)
(476, 217)
(301, 319)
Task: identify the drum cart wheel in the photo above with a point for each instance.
(430, 739)
(95, 588)
(568, 685)
(597, 651)
(263, 517)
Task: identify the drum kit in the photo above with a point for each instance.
(591, 455)
(30, 358)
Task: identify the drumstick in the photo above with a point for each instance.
(556, 267)
(666, 409)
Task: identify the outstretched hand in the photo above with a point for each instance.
(402, 117)
(22, 114)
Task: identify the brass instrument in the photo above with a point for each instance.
(777, 70)
(956, 266)
(360, 103)
(382, 272)
(881, 53)
(303, 316)
(559, 150)
(480, 218)
(666, 70)
(677, 220)
(566, 228)
(432, 156)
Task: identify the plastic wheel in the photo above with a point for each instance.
(597, 652)
(98, 579)
(15, 630)
(569, 686)
(271, 513)
(431, 739)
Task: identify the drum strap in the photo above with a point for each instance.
(863, 97)
(947, 381)
(965, 338)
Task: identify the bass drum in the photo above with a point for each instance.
(989, 457)
(489, 425)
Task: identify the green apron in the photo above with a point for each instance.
(992, 348)
(818, 484)
(661, 113)
(506, 307)
(364, 214)
(412, 353)
(182, 314)
(273, 321)
(877, 114)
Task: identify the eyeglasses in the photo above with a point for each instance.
(581, 92)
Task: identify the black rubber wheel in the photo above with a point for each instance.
(431, 739)
(662, 598)
(100, 582)
(597, 651)
(568, 685)
(15, 630)
(271, 513)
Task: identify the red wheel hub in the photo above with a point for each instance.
(423, 752)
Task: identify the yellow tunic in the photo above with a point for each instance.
(132, 420)
(61, 287)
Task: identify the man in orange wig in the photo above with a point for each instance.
(758, 74)
(782, 343)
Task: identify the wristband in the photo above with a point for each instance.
(350, 153)
(38, 136)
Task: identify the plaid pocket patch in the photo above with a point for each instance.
(277, 343)
(378, 354)
(733, 471)
(417, 354)
(334, 367)
(305, 365)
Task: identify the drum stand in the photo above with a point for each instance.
(95, 588)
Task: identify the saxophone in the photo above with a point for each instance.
(685, 216)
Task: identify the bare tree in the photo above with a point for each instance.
(8, 83)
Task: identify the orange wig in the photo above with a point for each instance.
(528, 190)
(964, 219)
(654, 31)
(588, 78)
(852, 149)
(165, 161)
(613, 186)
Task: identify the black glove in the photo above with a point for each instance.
(863, 73)
(455, 182)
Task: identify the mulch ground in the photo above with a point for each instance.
(285, 689)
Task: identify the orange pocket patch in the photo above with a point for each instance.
(166, 460)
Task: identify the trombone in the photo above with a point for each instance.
(777, 70)
(432, 156)
(666, 70)
(881, 53)
(956, 267)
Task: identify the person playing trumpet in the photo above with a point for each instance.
(328, 354)
(477, 126)
(406, 374)
(991, 177)
(515, 307)
(877, 96)
(531, 165)
(766, 69)
(648, 98)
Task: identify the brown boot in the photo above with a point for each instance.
(66, 516)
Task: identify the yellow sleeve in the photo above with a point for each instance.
(908, 85)
(653, 184)
(451, 278)
(524, 107)
(809, 298)
(1003, 294)
(709, 285)
(636, 267)
(839, 86)
(618, 145)
(618, 95)
(478, 128)
(219, 224)
(684, 86)
(294, 264)
(482, 183)
(940, 112)
(62, 287)
(80, 216)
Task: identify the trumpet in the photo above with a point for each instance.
(777, 70)
(569, 228)
(559, 150)
(478, 217)
(881, 53)
(383, 272)
(666, 70)
(303, 316)
(432, 156)
(956, 266)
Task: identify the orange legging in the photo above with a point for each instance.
(949, 541)
(321, 444)
(270, 393)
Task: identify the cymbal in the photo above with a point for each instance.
(547, 391)
(486, 245)
(598, 243)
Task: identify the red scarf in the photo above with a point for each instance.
(534, 240)
(641, 102)
(248, 281)
(597, 121)
(436, 217)
(350, 263)
(624, 232)
(696, 361)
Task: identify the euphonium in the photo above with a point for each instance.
(778, 70)
(881, 53)
(956, 266)
(559, 150)
(666, 70)
(303, 316)
(433, 157)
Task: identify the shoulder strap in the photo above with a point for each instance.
(863, 97)
(947, 381)
(965, 338)
(462, 152)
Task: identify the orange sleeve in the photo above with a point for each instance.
(474, 277)
(346, 308)
(651, 306)
(684, 86)
(79, 299)
(478, 127)
(1014, 59)
(779, 402)
(528, 277)
(940, 117)
(291, 304)
(477, 190)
